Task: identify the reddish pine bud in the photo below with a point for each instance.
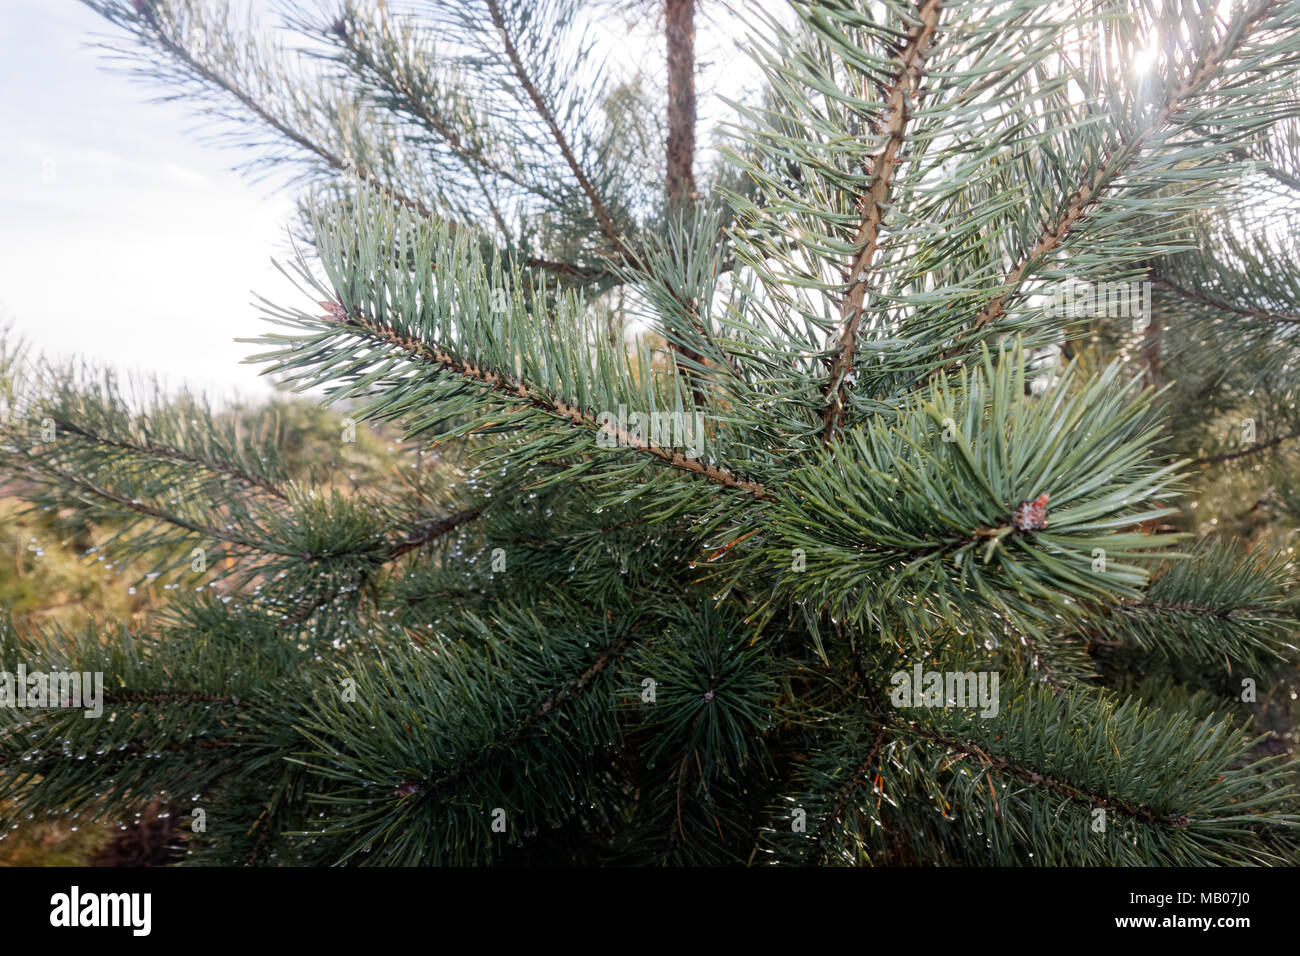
(334, 310)
(1032, 515)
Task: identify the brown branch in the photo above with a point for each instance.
(598, 207)
(416, 789)
(523, 393)
(136, 748)
(1051, 238)
(1245, 452)
(1214, 302)
(426, 533)
(198, 743)
(166, 697)
(857, 779)
(1204, 610)
(1029, 775)
(884, 165)
(149, 511)
(260, 830)
(1152, 362)
(255, 482)
(430, 531)
(180, 53)
(569, 270)
(1094, 183)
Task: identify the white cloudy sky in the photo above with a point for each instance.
(126, 241)
(121, 238)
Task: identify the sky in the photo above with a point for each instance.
(126, 241)
(122, 239)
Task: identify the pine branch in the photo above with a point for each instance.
(598, 207)
(898, 508)
(38, 470)
(1214, 302)
(1095, 181)
(209, 75)
(1254, 449)
(183, 709)
(430, 531)
(1034, 776)
(571, 687)
(167, 697)
(520, 392)
(331, 158)
(903, 199)
(428, 115)
(169, 453)
(856, 781)
(424, 535)
(1218, 604)
(905, 86)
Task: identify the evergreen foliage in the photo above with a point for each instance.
(709, 471)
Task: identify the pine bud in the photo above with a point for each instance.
(1032, 515)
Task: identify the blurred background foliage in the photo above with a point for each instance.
(55, 578)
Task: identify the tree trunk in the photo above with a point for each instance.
(680, 27)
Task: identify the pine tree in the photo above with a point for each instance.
(812, 506)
